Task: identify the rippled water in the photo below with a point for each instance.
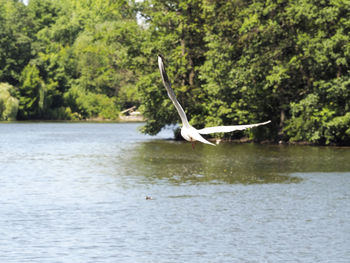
(75, 192)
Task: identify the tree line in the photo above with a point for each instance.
(231, 62)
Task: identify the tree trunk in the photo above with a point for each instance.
(191, 75)
(183, 52)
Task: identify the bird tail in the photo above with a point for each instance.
(199, 137)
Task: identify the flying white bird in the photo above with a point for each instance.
(188, 132)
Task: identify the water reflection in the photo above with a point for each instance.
(177, 163)
(229, 163)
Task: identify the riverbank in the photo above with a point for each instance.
(177, 137)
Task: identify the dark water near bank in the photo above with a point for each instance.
(74, 192)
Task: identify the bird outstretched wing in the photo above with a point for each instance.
(171, 93)
(194, 134)
(218, 129)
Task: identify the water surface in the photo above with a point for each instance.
(75, 192)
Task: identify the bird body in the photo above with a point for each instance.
(188, 132)
(191, 134)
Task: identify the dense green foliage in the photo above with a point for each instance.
(287, 61)
(231, 62)
(8, 102)
(70, 59)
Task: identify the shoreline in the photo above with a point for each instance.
(243, 140)
(90, 120)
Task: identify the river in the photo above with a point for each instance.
(76, 192)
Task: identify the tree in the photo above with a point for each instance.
(35, 95)
(82, 51)
(15, 40)
(175, 29)
(276, 53)
(323, 62)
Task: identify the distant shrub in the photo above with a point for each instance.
(8, 102)
(84, 104)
